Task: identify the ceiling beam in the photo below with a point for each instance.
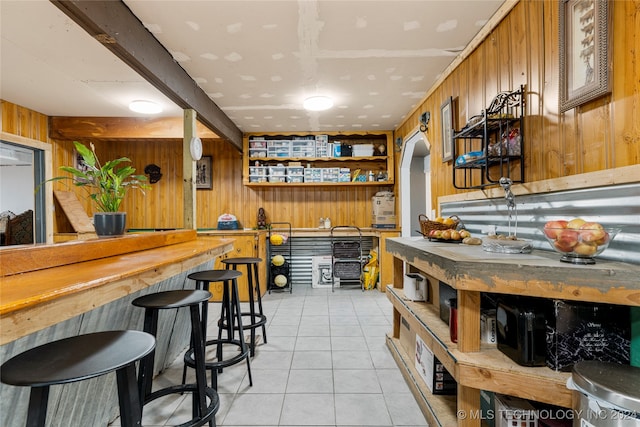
(120, 31)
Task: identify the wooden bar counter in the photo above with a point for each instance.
(44, 285)
(55, 291)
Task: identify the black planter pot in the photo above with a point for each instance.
(109, 224)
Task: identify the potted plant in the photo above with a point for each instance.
(106, 185)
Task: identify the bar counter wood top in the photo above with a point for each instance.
(45, 284)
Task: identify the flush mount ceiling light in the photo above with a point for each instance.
(145, 107)
(318, 103)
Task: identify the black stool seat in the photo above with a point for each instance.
(242, 260)
(230, 310)
(256, 318)
(202, 411)
(81, 358)
(214, 275)
(172, 299)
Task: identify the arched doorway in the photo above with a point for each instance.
(415, 182)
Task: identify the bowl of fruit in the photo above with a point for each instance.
(578, 240)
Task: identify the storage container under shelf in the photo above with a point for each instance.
(312, 175)
(257, 152)
(303, 148)
(277, 171)
(330, 174)
(258, 170)
(258, 178)
(295, 171)
(257, 143)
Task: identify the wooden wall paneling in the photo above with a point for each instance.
(547, 156)
(22, 121)
(126, 128)
(494, 62)
(625, 45)
(595, 139)
(518, 45)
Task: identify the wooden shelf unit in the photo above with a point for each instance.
(376, 163)
(475, 367)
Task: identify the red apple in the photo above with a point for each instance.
(587, 249)
(566, 240)
(446, 234)
(576, 223)
(594, 232)
(553, 228)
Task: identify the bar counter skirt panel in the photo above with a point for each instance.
(80, 358)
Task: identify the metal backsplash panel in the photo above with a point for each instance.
(612, 206)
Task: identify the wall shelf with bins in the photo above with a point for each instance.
(307, 159)
(490, 146)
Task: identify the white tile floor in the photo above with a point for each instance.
(325, 363)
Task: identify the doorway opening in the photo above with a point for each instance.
(415, 183)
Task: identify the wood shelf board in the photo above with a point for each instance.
(320, 159)
(488, 369)
(74, 211)
(439, 410)
(319, 184)
(538, 274)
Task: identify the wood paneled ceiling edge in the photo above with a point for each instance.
(120, 31)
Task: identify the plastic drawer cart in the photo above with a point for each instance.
(346, 257)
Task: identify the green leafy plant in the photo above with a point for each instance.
(107, 184)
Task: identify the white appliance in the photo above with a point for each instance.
(321, 272)
(415, 287)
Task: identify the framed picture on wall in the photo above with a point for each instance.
(446, 121)
(204, 173)
(584, 52)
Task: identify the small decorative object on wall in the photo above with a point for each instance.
(584, 53)
(154, 173)
(446, 113)
(204, 173)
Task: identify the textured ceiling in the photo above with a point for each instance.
(257, 60)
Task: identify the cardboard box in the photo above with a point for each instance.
(322, 272)
(432, 371)
(514, 411)
(383, 221)
(383, 204)
(587, 331)
(488, 334)
(487, 407)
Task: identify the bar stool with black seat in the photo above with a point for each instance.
(230, 321)
(257, 319)
(80, 358)
(202, 412)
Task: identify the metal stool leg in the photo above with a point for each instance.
(236, 298)
(38, 399)
(259, 296)
(128, 398)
